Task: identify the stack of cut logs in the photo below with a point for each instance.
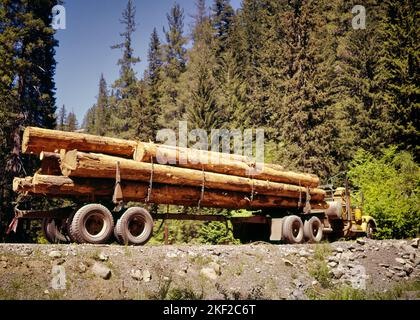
(87, 167)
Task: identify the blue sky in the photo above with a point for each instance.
(84, 46)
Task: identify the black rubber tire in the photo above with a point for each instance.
(293, 229)
(79, 230)
(117, 226)
(72, 238)
(52, 232)
(144, 221)
(46, 232)
(313, 230)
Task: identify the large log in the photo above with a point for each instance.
(36, 140)
(89, 165)
(146, 151)
(234, 165)
(94, 189)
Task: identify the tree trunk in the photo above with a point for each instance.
(36, 140)
(93, 189)
(84, 165)
(220, 163)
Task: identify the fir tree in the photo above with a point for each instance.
(399, 71)
(27, 88)
(198, 93)
(222, 20)
(174, 67)
(72, 124)
(101, 109)
(62, 119)
(153, 79)
(126, 85)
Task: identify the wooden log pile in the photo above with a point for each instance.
(85, 167)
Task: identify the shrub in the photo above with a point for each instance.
(390, 184)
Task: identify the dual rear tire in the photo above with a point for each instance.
(295, 231)
(135, 227)
(94, 224)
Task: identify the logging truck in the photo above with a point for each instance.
(103, 176)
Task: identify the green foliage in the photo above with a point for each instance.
(27, 68)
(397, 292)
(398, 70)
(390, 185)
(216, 233)
(174, 66)
(319, 268)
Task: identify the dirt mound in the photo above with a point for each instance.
(362, 269)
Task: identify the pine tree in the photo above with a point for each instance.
(27, 68)
(126, 86)
(199, 18)
(88, 123)
(152, 90)
(174, 66)
(360, 119)
(72, 124)
(398, 72)
(222, 20)
(197, 86)
(101, 109)
(62, 119)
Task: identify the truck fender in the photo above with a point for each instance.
(366, 220)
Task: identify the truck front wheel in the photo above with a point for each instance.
(313, 230)
(293, 229)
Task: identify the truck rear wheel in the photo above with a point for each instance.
(92, 224)
(52, 229)
(135, 227)
(313, 230)
(117, 227)
(72, 238)
(293, 229)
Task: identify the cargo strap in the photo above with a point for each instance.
(203, 187)
(13, 225)
(149, 190)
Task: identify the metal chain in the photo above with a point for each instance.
(300, 195)
(252, 190)
(307, 209)
(149, 190)
(203, 185)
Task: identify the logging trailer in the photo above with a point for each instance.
(286, 206)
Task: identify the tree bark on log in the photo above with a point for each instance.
(220, 163)
(59, 186)
(36, 140)
(84, 165)
(146, 151)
